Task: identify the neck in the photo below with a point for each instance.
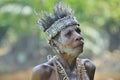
(68, 61)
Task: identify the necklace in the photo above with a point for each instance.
(81, 72)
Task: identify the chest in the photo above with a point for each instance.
(72, 76)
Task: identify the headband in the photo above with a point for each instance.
(59, 25)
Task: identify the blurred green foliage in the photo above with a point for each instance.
(99, 20)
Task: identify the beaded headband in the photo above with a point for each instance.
(59, 25)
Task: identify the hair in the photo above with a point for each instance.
(60, 11)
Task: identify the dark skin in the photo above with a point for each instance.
(70, 45)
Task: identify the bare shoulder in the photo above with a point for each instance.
(88, 64)
(42, 71)
(90, 67)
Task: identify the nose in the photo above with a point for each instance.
(78, 37)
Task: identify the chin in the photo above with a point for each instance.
(80, 51)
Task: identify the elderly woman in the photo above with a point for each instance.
(65, 37)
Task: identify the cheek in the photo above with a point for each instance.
(68, 43)
(71, 44)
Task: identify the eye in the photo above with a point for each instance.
(78, 24)
(78, 30)
(68, 33)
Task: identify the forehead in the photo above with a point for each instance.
(70, 27)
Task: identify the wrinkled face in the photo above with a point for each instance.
(71, 40)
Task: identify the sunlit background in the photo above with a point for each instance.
(23, 45)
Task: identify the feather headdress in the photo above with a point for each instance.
(62, 17)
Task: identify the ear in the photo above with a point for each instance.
(52, 43)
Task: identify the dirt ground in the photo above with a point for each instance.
(26, 75)
(107, 76)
